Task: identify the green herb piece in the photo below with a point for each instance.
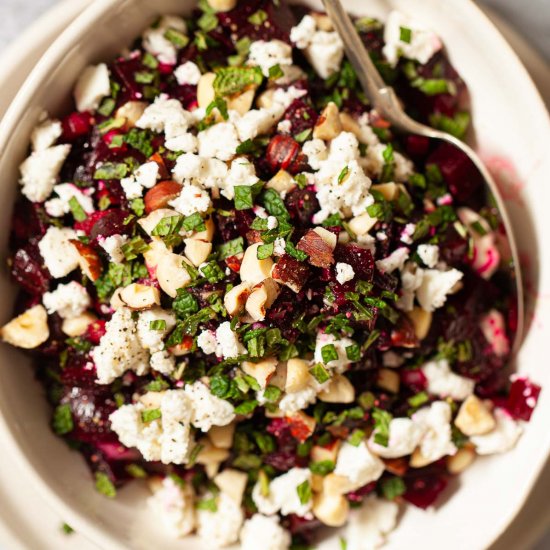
(366, 400)
(212, 272)
(304, 492)
(243, 47)
(149, 61)
(418, 400)
(265, 251)
(322, 468)
(405, 35)
(111, 124)
(356, 438)
(434, 86)
(393, 487)
(329, 353)
(246, 407)
(353, 352)
(208, 504)
(157, 385)
(343, 174)
(389, 163)
(220, 104)
(245, 195)
(107, 106)
(177, 38)
(291, 250)
(231, 248)
(304, 135)
(220, 385)
(150, 414)
(111, 171)
(233, 80)
(136, 471)
(248, 462)
(208, 21)
(194, 454)
(265, 442)
(184, 303)
(76, 208)
(274, 204)
(62, 422)
(258, 18)
(104, 485)
(133, 248)
(272, 394)
(382, 421)
(67, 529)
(141, 140)
(477, 227)
(456, 126)
(320, 373)
(275, 72)
(157, 324)
(144, 77)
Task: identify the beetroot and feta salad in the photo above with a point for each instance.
(243, 287)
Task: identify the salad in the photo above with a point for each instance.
(244, 289)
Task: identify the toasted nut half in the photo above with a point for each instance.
(205, 90)
(149, 222)
(242, 102)
(88, 259)
(332, 510)
(137, 296)
(297, 375)
(222, 436)
(463, 458)
(362, 224)
(474, 418)
(261, 298)
(339, 390)
(210, 454)
(261, 371)
(390, 191)
(197, 251)
(254, 271)
(349, 124)
(232, 483)
(388, 380)
(160, 195)
(171, 274)
(28, 330)
(422, 321)
(328, 126)
(282, 182)
(76, 326)
(131, 111)
(328, 236)
(222, 5)
(327, 452)
(334, 485)
(236, 298)
(208, 233)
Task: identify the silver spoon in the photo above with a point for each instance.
(385, 101)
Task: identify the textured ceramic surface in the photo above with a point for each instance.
(513, 128)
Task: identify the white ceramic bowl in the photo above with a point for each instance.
(513, 129)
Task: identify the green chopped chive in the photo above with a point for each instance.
(62, 422)
(304, 492)
(418, 399)
(393, 487)
(111, 171)
(405, 35)
(356, 437)
(157, 324)
(320, 373)
(177, 38)
(76, 208)
(136, 471)
(382, 421)
(323, 467)
(343, 174)
(258, 18)
(329, 353)
(150, 414)
(104, 485)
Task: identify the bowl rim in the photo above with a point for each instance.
(54, 55)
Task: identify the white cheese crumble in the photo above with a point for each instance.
(155, 42)
(404, 437)
(316, 152)
(153, 339)
(173, 504)
(45, 134)
(113, 246)
(443, 382)
(429, 254)
(188, 74)
(206, 172)
(296, 401)
(301, 34)
(255, 122)
(268, 54)
(358, 464)
(266, 529)
(279, 246)
(396, 260)
(222, 527)
(207, 342)
(371, 523)
(119, 349)
(166, 115)
(436, 285)
(191, 199)
(421, 45)
(241, 172)
(91, 87)
(502, 438)
(59, 206)
(407, 233)
(324, 339)
(374, 163)
(272, 222)
(283, 495)
(344, 272)
(208, 410)
(39, 172)
(435, 420)
(284, 127)
(59, 255)
(228, 342)
(219, 141)
(163, 362)
(68, 300)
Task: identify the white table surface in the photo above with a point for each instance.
(531, 18)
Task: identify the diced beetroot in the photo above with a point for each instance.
(29, 271)
(457, 169)
(108, 138)
(285, 153)
(359, 494)
(111, 223)
(417, 146)
(76, 125)
(523, 398)
(423, 490)
(403, 335)
(359, 258)
(414, 379)
(302, 115)
(301, 205)
(77, 374)
(29, 220)
(302, 526)
(282, 460)
(95, 331)
(87, 224)
(117, 451)
(187, 95)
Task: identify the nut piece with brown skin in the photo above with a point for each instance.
(89, 260)
(290, 272)
(329, 125)
(160, 195)
(319, 251)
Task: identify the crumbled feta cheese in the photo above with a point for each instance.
(191, 199)
(405, 435)
(358, 464)
(209, 173)
(396, 260)
(228, 342)
(207, 342)
(324, 339)
(421, 45)
(371, 523)
(68, 300)
(435, 287)
(301, 34)
(208, 410)
(443, 382)
(184, 143)
(91, 87)
(45, 134)
(173, 505)
(283, 98)
(493, 327)
(59, 255)
(163, 362)
(429, 254)
(285, 127)
(59, 206)
(132, 189)
(219, 141)
(411, 279)
(255, 122)
(39, 172)
(146, 174)
(153, 339)
(366, 133)
(188, 74)
(155, 42)
(407, 233)
(279, 246)
(220, 528)
(297, 401)
(344, 272)
(316, 152)
(272, 222)
(268, 54)
(113, 246)
(166, 439)
(283, 494)
(166, 115)
(435, 420)
(266, 529)
(241, 172)
(502, 438)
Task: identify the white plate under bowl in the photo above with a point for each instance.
(512, 125)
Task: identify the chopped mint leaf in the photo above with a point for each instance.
(62, 422)
(208, 504)
(157, 385)
(104, 485)
(221, 105)
(111, 171)
(184, 304)
(208, 21)
(291, 250)
(418, 399)
(76, 208)
(231, 248)
(245, 195)
(149, 61)
(304, 492)
(382, 421)
(265, 251)
(329, 353)
(133, 248)
(405, 35)
(230, 81)
(138, 207)
(322, 468)
(353, 352)
(212, 272)
(393, 487)
(265, 442)
(144, 77)
(246, 407)
(356, 437)
(275, 72)
(157, 324)
(177, 38)
(320, 373)
(107, 106)
(150, 414)
(272, 394)
(304, 135)
(141, 140)
(274, 204)
(136, 471)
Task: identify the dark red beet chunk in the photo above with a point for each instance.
(301, 205)
(302, 116)
(361, 493)
(111, 223)
(523, 398)
(29, 220)
(359, 258)
(29, 271)
(422, 491)
(76, 125)
(414, 379)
